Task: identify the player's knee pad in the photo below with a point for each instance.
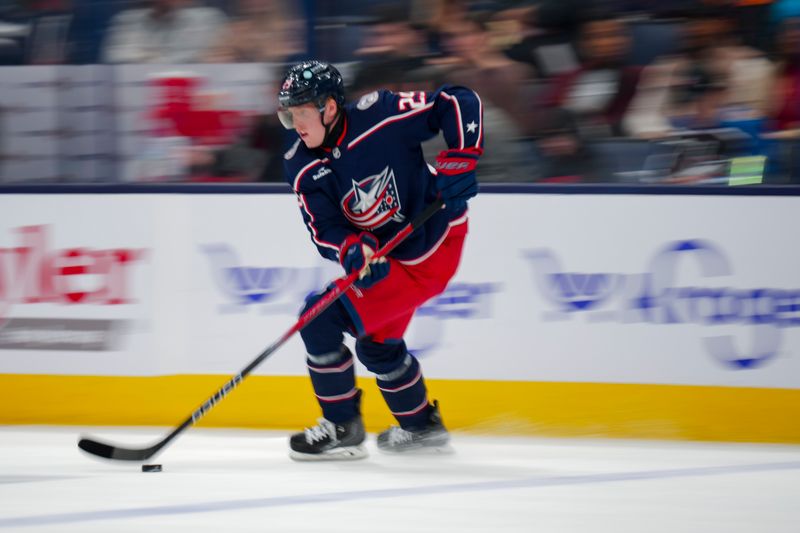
(384, 359)
(336, 358)
(324, 334)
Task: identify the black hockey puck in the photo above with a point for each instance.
(151, 468)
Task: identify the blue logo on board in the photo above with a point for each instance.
(657, 296)
(271, 289)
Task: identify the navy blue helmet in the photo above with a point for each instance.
(309, 82)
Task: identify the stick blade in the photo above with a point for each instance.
(108, 451)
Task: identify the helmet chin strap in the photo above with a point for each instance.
(329, 127)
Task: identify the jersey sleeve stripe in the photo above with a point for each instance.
(387, 121)
(313, 229)
(459, 122)
(480, 121)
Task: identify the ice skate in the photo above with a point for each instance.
(330, 442)
(434, 437)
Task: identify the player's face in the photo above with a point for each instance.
(305, 120)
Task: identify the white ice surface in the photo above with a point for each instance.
(243, 481)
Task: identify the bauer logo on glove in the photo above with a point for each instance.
(460, 166)
(455, 179)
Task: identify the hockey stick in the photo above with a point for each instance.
(340, 285)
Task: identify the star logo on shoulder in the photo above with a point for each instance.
(471, 127)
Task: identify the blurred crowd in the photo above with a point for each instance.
(669, 91)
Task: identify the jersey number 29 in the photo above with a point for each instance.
(410, 100)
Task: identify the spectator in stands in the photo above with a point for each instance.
(784, 110)
(266, 31)
(561, 155)
(391, 37)
(167, 31)
(35, 32)
(90, 20)
(712, 77)
(505, 88)
(435, 15)
(255, 154)
(477, 63)
(597, 93)
(534, 39)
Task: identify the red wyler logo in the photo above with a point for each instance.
(32, 273)
(373, 202)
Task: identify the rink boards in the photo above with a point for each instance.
(626, 315)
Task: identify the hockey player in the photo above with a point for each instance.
(359, 175)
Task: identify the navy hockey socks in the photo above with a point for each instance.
(405, 394)
(334, 380)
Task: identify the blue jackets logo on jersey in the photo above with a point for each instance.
(373, 202)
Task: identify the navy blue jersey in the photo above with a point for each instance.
(375, 179)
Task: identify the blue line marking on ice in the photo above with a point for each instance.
(372, 494)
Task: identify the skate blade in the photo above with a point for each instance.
(444, 449)
(346, 453)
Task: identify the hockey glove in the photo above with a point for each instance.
(356, 254)
(455, 179)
